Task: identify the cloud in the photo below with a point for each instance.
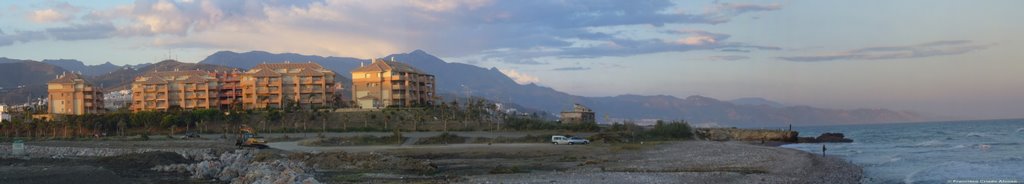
(520, 78)
(60, 12)
(938, 48)
(517, 32)
(20, 37)
(47, 15)
(735, 50)
(723, 12)
(577, 68)
(66, 33)
(83, 31)
(728, 58)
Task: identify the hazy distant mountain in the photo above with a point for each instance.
(246, 60)
(462, 79)
(78, 66)
(20, 79)
(122, 77)
(457, 79)
(340, 65)
(755, 101)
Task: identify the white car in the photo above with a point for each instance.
(561, 139)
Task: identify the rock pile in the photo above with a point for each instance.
(239, 167)
(826, 137)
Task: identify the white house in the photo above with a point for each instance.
(3, 113)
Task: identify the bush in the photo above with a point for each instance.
(362, 140)
(501, 169)
(444, 138)
(673, 130)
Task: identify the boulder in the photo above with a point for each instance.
(825, 137)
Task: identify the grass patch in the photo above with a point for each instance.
(501, 169)
(362, 140)
(443, 138)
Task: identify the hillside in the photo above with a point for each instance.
(122, 77)
(22, 78)
(464, 79)
(78, 66)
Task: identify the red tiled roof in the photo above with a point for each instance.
(265, 72)
(310, 65)
(382, 65)
(67, 78)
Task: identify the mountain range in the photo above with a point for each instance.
(458, 79)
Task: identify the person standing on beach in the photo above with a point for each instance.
(823, 149)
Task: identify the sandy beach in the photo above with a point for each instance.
(661, 162)
(699, 162)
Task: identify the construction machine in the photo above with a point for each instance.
(247, 137)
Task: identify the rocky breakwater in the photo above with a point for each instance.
(738, 134)
(825, 137)
(271, 166)
(243, 166)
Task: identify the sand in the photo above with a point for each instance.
(698, 162)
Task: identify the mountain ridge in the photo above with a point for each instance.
(461, 80)
(469, 80)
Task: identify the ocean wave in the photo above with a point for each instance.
(931, 143)
(956, 170)
(976, 134)
(1020, 130)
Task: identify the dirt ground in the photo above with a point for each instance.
(131, 168)
(659, 162)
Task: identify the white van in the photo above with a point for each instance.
(562, 139)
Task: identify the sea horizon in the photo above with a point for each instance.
(928, 152)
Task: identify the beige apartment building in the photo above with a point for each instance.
(579, 114)
(70, 94)
(187, 90)
(389, 83)
(278, 85)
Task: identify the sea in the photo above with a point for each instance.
(978, 151)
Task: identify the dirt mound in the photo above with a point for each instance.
(143, 160)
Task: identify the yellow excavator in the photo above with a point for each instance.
(247, 137)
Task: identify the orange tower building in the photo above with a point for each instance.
(70, 94)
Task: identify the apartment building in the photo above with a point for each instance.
(187, 90)
(4, 116)
(70, 94)
(230, 91)
(578, 114)
(389, 83)
(280, 85)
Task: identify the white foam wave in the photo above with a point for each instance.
(931, 143)
(957, 170)
(976, 134)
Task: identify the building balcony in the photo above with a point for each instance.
(399, 77)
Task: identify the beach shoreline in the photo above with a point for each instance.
(702, 162)
(693, 161)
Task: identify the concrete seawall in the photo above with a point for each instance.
(737, 134)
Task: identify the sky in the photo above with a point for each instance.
(949, 58)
